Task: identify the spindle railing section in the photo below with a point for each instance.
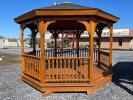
(104, 59)
(32, 66)
(69, 53)
(67, 69)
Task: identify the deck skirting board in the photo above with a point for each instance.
(67, 88)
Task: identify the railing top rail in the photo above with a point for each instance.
(31, 56)
(66, 49)
(105, 52)
(67, 57)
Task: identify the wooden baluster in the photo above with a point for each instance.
(73, 68)
(25, 61)
(35, 67)
(39, 69)
(53, 68)
(33, 64)
(49, 74)
(30, 67)
(64, 68)
(61, 68)
(35, 70)
(69, 64)
(57, 68)
(80, 63)
(37, 73)
(77, 68)
(85, 68)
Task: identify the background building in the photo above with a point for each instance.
(122, 39)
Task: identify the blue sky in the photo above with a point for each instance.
(10, 9)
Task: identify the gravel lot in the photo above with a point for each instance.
(12, 88)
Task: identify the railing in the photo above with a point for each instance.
(104, 59)
(67, 69)
(69, 53)
(32, 66)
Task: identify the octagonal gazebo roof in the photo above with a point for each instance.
(67, 10)
(66, 5)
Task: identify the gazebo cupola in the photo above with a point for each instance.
(66, 69)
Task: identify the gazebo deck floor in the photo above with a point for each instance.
(100, 79)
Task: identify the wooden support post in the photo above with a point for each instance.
(111, 41)
(42, 29)
(92, 26)
(22, 47)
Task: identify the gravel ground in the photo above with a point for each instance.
(12, 88)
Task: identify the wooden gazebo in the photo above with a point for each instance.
(69, 69)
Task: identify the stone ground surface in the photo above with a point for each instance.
(12, 88)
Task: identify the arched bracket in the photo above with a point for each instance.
(91, 24)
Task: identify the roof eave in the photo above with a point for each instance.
(116, 19)
(25, 16)
(38, 12)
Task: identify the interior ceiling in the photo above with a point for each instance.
(66, 25)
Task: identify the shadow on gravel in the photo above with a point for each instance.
(123, 75)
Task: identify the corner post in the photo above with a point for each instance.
(92, 26)
(22, 46)
(42, 29)
(111, 46)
